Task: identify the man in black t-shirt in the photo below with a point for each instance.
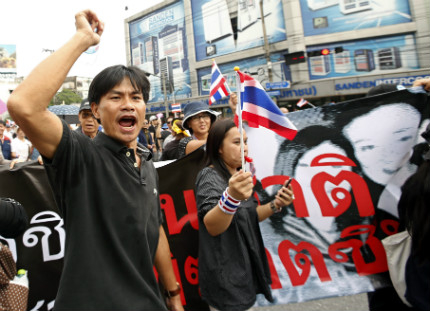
(106, 188)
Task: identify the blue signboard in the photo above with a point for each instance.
(331, 16)
(159, 39)
(255, 67)
(371, 56)
(214, 33)
(278, 85)
(274, 93)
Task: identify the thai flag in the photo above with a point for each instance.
(219, 88)
(176, 107)
(302, 102)
(259, 109)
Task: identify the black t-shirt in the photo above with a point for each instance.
(112, 218)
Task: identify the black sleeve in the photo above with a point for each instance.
(13, 218)
(209, 188)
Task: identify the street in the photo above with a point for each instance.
(345, 303)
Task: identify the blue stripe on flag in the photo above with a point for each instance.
(215, 76)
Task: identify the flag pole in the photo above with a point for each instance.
(239, 109)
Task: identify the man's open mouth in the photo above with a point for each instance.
(127, 122)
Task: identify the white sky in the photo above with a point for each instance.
(47, 24)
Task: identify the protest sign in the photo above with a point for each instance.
(347, 162)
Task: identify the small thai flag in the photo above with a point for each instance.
(302, 102)
(176, 107)
(259, 110)
(219, 88)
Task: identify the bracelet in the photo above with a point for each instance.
(173, 293)
(274, 208)
(228, 204)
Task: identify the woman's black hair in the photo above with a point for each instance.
(214, 141)
(414, 210)
(108, 78)
(13, 218)
(287, 161)
(290, 152)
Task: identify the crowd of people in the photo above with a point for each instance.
(121, 235)
(180, 135)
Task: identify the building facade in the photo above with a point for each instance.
(368, 43)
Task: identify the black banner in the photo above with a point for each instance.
(348, 162)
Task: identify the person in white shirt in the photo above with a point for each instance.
(21, 146)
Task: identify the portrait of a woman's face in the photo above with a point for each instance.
(304, 173)
(383, 147)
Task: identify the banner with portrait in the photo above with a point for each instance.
(347, 162)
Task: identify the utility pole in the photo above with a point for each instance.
(266, 43)
(163, 79)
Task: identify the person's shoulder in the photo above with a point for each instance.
(209, 177)
(208, 173)
(186, 140)
(208, 170)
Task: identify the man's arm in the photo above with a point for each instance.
(194, 145)
(27, 104)
(163, 264)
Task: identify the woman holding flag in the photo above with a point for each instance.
(233, 266)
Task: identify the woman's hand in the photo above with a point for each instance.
(284, 196)
(232, 102)
(240, 185)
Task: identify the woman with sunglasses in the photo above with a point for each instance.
(197, 120)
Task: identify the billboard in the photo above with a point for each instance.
(159, 36)
(255, 67)
(217, 32)
(330, 16)
(7, 62)
(370, 56)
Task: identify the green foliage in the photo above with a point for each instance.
(67, 96)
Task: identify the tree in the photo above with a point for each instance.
(67, 96)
